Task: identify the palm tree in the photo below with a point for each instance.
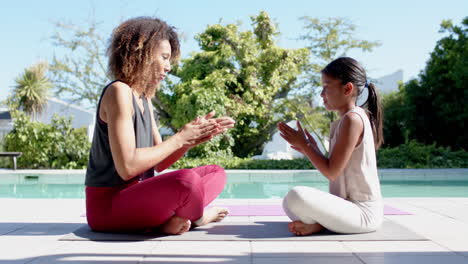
(31, 90)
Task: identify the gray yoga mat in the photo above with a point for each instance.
(245, 231)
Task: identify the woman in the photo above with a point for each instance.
(122, 193)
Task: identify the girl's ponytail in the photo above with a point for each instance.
(374, 109)
(347, 70)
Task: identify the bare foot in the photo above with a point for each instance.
(300, 229)
(212, 214)
(176, 226)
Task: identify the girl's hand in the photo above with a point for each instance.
(312, 143)
(297, 138)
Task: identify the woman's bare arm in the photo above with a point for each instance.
(172, 158)
(116, 111)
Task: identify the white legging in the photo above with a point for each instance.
(311, 206)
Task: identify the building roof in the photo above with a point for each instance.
(5, 115)
(58, 101)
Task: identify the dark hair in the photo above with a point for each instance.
(131, 51)
(349, 70)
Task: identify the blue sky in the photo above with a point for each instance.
(408, 30)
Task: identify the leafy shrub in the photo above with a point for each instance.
(244, 163)
(417, 155)
(410, 155)
(54, 146)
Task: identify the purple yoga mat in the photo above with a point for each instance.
(277, 210)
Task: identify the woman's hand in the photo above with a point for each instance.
(197, 132)
(225, 122)
(222, 124)
(299, 139)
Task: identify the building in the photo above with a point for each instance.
(389, 83)
(6, 124)
(80, 117)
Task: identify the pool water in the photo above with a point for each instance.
(252, 190)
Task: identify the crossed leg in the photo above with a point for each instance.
(170, 202)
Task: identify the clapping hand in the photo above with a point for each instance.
(224, 122)
(299, 139)
(220, 125)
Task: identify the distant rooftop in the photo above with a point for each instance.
(5, 115)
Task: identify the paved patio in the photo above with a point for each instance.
(30, 229)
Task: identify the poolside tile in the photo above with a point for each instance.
(412, 259)
(460, 200)
(418, 207)
(456, 244)
(271, 176)
(10, 178)
(383, 248)
(456, 177)
(445, 209)
(190, 259)
(456, 212)
(94, 252)
(270, 249)
(23, 249)
(231, 219)
(440, 219)
(75, 178)
(392, 177)
(29, 209)
(463, 253)
(308, 259)
(314, 176)
(202, 248)
(435, 229)
(45, 229)
(6, 228)
(269, 219)
(52, 179)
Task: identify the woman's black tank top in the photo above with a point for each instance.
(101, 170)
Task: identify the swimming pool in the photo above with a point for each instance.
(248, 184)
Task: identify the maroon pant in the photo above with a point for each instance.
(150, 203)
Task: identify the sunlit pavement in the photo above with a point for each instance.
(30, 230)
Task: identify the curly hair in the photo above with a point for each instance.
(131, 51)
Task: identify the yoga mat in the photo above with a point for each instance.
(250, 231)
(277, 210)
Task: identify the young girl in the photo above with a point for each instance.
(122, 193)
(354, 204)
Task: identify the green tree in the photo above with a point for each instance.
(435, 106)
(31, 91)
(242, 74)
(81, 73)
(326, 39)
(395, 118)
(444, 84)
